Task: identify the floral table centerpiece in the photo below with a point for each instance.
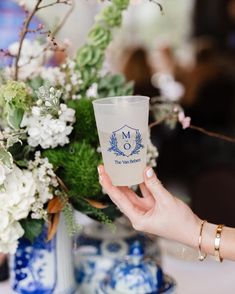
(49, 149)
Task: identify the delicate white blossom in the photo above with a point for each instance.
(53, 75)
(44, 177)
(33, 56)
(92, 92)
(48, 131)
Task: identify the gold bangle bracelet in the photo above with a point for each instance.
(219, 230)
(201, 256)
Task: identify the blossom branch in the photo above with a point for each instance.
(196, 128)
(65, 18)
(23, 34)
(159, 5)
(67, 2)
(213, 134)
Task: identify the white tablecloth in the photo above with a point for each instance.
(207, 277)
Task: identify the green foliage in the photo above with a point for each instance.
(15, 99)
(77, 167)
(97, 214)
(89, 55)
(15, 94)
(5, 157)
(121, 4)
(32, 228)
(70, 221)
(14, 116)
(112, 16)
(99, 36)
(85, 126)
(114, 85)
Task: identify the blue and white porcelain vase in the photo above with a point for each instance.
(44, 267)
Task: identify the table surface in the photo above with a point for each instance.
(192, 276)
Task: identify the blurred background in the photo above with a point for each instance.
(193, 43)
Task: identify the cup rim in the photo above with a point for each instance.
(101, 101)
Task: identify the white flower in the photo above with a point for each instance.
(170, 89)
(53, 75)
(18, 194)
(92, 92)
(67, 114)
(16, 200)
(2, 174)
(10, 236)
(44, 178)
(33, 56)
(47, 131)
(4, 171)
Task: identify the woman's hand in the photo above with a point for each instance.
(157, 211)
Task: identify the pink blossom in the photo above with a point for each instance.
(184, 120)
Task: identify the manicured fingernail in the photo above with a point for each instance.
(99, 169)
(149, 173)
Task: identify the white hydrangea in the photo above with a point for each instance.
(16, 200)
(18, 193)
(48, 131)
(10, 235)
(3, 173)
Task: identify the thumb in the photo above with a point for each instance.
(154, 185)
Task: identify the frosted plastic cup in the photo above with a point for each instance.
(122, 124)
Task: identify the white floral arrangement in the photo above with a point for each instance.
(49, 148)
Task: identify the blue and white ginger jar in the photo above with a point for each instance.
(134, 275)
(98, 250)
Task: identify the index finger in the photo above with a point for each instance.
(119, 198)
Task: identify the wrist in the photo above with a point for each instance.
(195, 227)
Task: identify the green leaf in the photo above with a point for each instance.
(14, 117)
(6, 157)
(22, 163)
(32, 228)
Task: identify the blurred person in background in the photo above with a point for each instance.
(190, 158)
(138, 69)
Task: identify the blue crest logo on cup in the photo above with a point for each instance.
(126, 141)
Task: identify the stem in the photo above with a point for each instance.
(23, 33)
(199, 129)
(64, 20)
(158, 122)
(213, 134)
(53, 3)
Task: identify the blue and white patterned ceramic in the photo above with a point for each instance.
(98, 250)
(34, 266)
(136, 276)
(44, 267)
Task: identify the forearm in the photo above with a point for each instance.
(227, 244)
